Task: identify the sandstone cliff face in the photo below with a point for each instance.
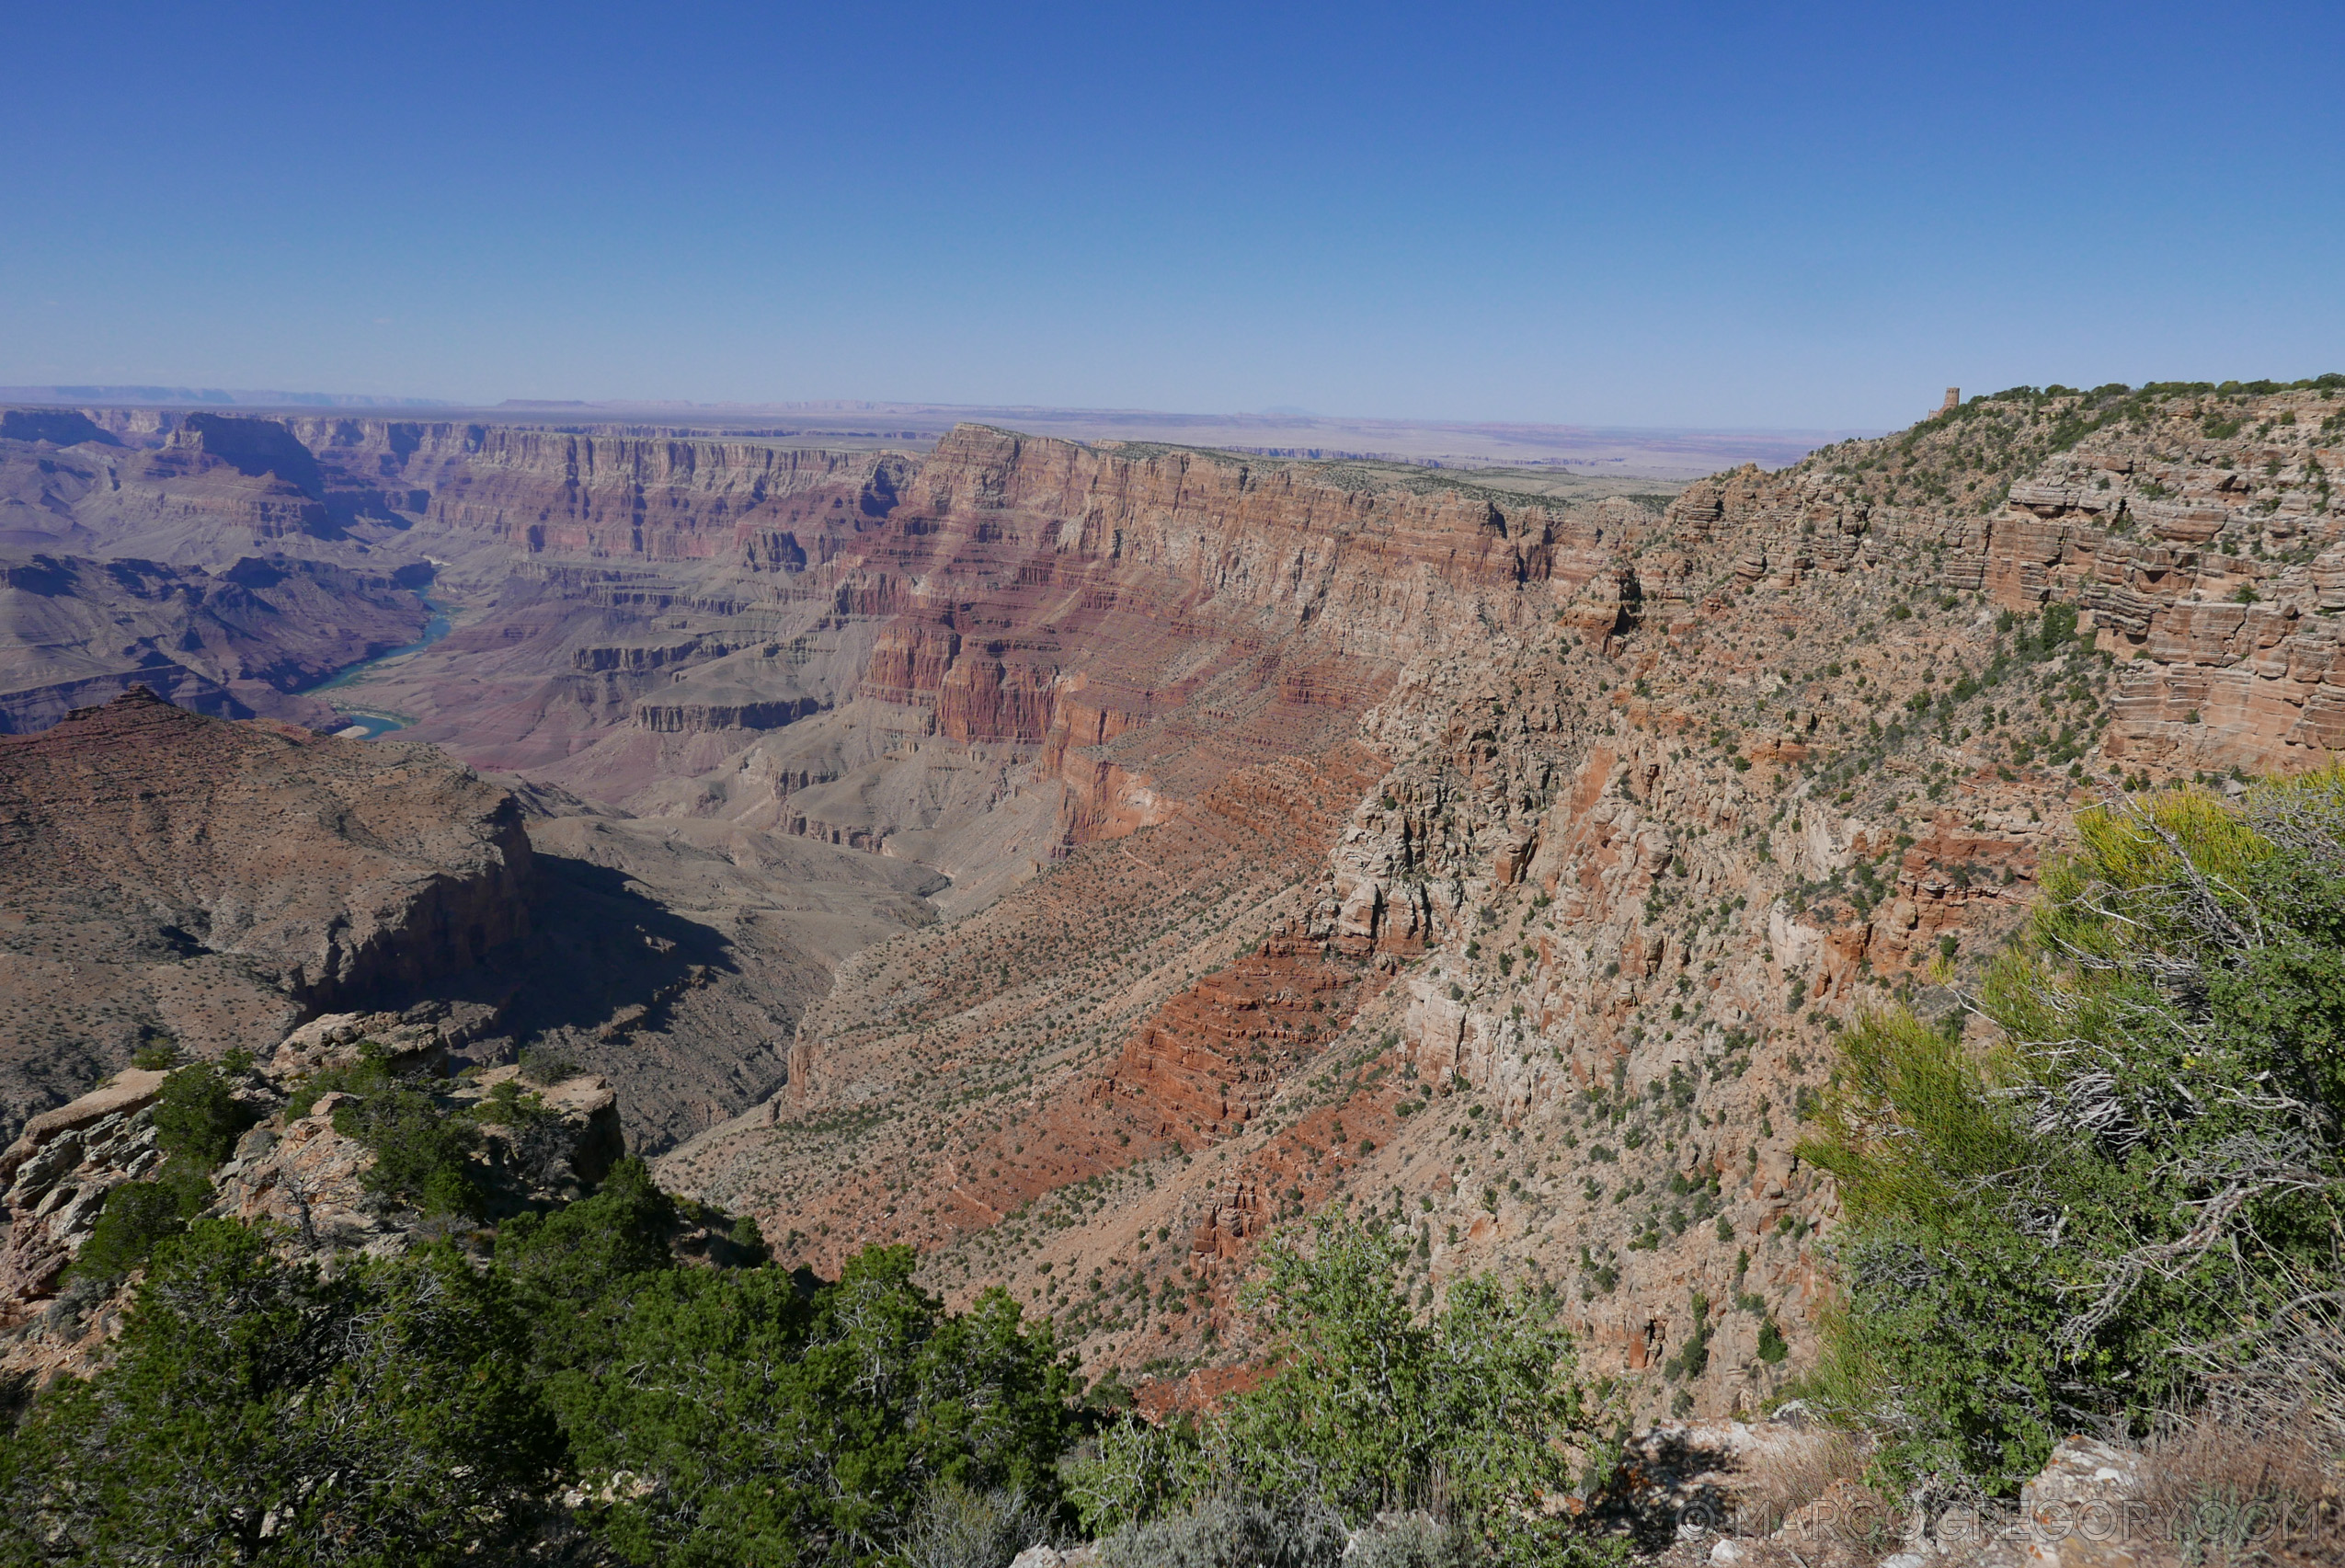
(1657, 806)
(58, 1172)
(168, 876)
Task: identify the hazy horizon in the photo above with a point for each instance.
(140, 395)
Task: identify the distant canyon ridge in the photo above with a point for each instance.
(1079, 858)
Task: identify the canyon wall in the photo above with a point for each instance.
(1651, 810)
(1341, 835)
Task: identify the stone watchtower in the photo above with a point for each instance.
(1953, 401)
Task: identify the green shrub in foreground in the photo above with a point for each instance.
(2140, 1190)
(139, 1215)
(258, 1413)
(757, 1422)
(197, 1123)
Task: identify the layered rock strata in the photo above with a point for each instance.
(1325, 834)
(1629, 852)
(240, 643)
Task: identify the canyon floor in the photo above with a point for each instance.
(1082, 858)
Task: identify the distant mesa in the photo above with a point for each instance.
(58, 426)
(255, 447)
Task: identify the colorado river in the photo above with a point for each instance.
(367, 723)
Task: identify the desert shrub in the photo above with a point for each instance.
(759, 1423)
(539, 1146)
(2131, 1201)
(196, 1119)
(258, 1413)
(543, 1067)
(1217, 1531)
(422, 1154)
(157, 1055)
(747, 1238)
(1373, 1407)
(1793, 1472)
(1141, 1470)
(506, 1104)
(2229, 1495)
(574, 1269)
(136, 1217)
(370, 1074)
(956, 1528)
(1414, 1541)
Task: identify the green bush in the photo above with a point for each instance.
(576, 1268)
(2136, 1195)
(1372, 1406)
(422, 1409)
(155, 1056)
(258, 1413)
(196, 1119)
(762, 1423)
(370, 1074)
(197, 1123)
(422, 1155)
(136, 1217)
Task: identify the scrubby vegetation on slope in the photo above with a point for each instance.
(2130, 1208)
(1475, 1411)
(434, 1407)
(1966, 458)
(572, 1384)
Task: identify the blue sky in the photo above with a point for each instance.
(1750, 214)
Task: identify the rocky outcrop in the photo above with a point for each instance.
(307, 1178)
(538, 1146)
(694, 718)
(57, 1175)
(171, 877)
(2194, 529)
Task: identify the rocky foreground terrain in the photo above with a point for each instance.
(1316, 832)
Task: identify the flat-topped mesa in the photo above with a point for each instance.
(171, 875)
(693, 718)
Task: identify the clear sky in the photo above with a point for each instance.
(1706, 214)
